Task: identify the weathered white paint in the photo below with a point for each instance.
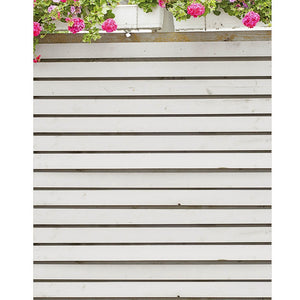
(154, 197)
(152, 50)
(144, 179)
(150, 253)
(153, 235)
(152, 107)
(153, 87)
(153, 143)
(152, 161)
(151, 216)
(152, 289)
(153, 271)
(114, 207)
(154, 124)
(153, 69)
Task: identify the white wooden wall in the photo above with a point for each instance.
(152, 170)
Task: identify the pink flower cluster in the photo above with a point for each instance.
(196, 9)
(77, 25)
(251, 19)
(37, 28)
(162, 3)
(109, 25)
(37, 59)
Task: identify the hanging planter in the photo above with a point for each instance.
(130, 17)
(212, 22)
(215, 14)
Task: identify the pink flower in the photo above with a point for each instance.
(37, 28)
(51, 7)
(196, 9)
(162, 3)
(109, 25)
(251, 19)
(77, 25)
(37, 59)
(63, 1)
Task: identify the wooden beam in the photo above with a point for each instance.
(261, 35)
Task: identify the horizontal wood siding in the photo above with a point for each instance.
(152, 168)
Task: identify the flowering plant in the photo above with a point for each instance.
(185, 9)
(240, 8)
(88, 15)
(78, 15)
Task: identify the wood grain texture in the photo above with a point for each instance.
(153, 235)
(153, 289)
(151, 216)
(152, 166)
(148, 50)
(153, 124)
(152, 272)
(152, 87)
(169, 37)
(152, 69)
(153, 143)
(152, 161)
(154, 179)
(154, 197)
(152, 107)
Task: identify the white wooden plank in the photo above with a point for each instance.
(162, 49)
(153, 69)
(152, 161)
(152, 289)
(152, 253)
(152, 216)
(153, 197)
(152, 87)
(153, 272)
(153, 124)
(153, 106)
(153, 180)
(152, 143)
(153, 235)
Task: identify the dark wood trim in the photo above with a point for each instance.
(220, 36)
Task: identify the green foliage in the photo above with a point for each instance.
(93, 12)
(146, 5)
(240, 7)
(179, 8)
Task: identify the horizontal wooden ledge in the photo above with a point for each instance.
(261, 35)
(237, 58)
(153, 252)
(154, 289)
(153, 197)
(153, 87)
(150, 216)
